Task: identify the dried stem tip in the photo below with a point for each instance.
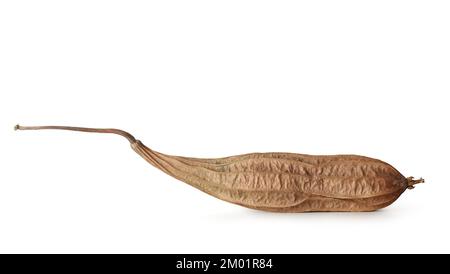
(411, 182)
(120, 132)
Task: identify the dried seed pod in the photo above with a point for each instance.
(280, 182)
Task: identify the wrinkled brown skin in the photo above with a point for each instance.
(281, 182)
(287, 182)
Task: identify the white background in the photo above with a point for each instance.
(211, 79)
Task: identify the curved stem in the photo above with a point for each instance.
(120, 132)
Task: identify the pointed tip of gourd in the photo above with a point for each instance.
(17, 127)
(411, 182)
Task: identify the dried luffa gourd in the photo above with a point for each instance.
(280, 182)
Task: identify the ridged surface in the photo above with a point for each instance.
(287, 182)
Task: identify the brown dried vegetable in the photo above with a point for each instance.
(280, 182)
